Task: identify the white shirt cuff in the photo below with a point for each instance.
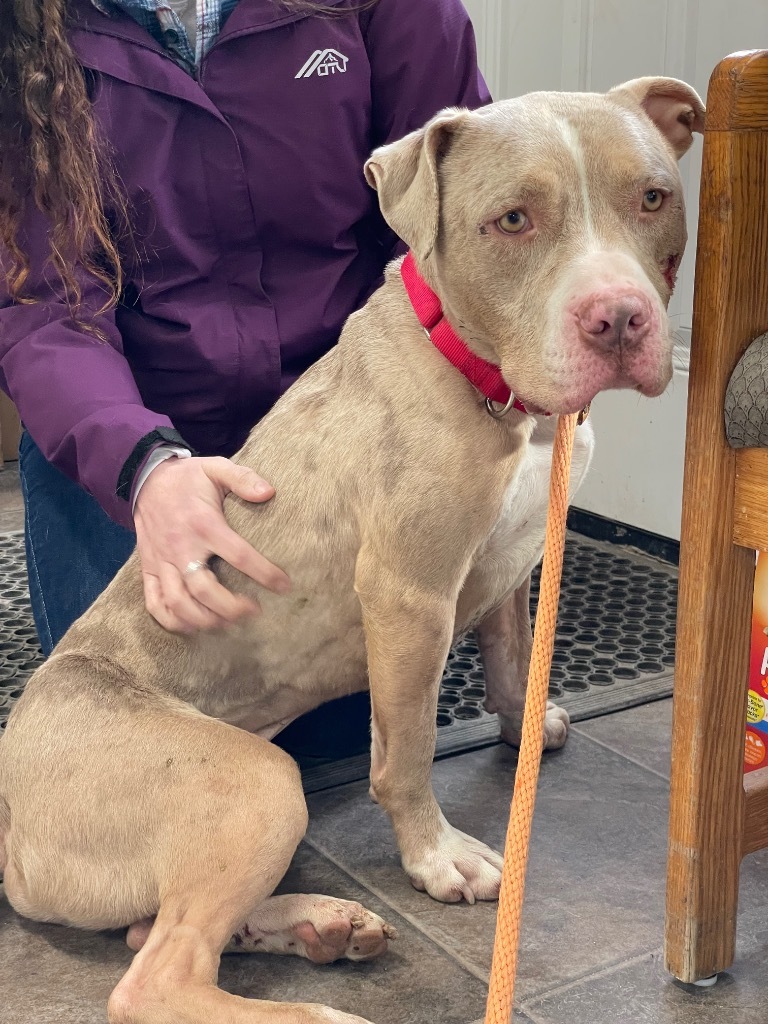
(165, 451)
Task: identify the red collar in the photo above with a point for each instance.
(485, 376)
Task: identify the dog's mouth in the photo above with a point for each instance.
(669, 270)
(575, 371)
(580, 395)
(532, 408)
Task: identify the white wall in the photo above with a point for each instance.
(526, 45)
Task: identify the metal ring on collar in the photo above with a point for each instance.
(194, 567)
(497, 413)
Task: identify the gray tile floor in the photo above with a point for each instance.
(592, 929)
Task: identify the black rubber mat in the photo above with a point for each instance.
(615, 646)
(20, 652)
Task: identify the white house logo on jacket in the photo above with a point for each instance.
(324, 63)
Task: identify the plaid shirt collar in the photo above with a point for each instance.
(164, 25)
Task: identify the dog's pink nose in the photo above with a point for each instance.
(620, 321)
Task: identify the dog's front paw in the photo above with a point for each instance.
(556, 726)
(457, 868)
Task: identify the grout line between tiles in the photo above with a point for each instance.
(597, 970)
(413, 921)
(613, 750)
(530, 1015)
(604, 972)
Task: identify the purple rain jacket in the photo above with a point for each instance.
(255, 230)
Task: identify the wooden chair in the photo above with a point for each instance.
(717, 814)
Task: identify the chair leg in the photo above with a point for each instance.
(707, 789)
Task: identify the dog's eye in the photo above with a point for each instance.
(652, 200)
(513, 222)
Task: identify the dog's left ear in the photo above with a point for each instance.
(405, 174)
(674, 107)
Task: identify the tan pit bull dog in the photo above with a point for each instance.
(138, 783)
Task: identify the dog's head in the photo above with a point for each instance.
(552, 226)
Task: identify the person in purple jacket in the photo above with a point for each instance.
(184, 229)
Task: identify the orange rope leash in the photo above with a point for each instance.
(505, 949)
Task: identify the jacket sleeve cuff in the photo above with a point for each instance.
(141, 452)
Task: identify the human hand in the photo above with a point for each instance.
(180, 525)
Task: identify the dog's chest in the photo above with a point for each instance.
(517, 540)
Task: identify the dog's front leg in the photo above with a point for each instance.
(505, 642)
(408, 635)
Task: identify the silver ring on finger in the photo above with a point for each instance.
(194, 566)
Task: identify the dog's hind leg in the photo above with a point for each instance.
(173, 977)
(321, 928)
(505, 642)
(124, 805)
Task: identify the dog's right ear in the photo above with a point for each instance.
(405, 174)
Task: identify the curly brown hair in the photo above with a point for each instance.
(51, 152)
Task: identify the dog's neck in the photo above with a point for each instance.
(481, 373)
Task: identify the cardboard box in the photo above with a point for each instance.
(756, 746)
(10, 430)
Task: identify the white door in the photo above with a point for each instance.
(636, 476)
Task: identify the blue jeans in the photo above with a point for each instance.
(74, 550)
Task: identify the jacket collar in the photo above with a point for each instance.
(248, 16)
(99, 40)
(115, 45)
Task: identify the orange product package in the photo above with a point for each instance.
(756, 747)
